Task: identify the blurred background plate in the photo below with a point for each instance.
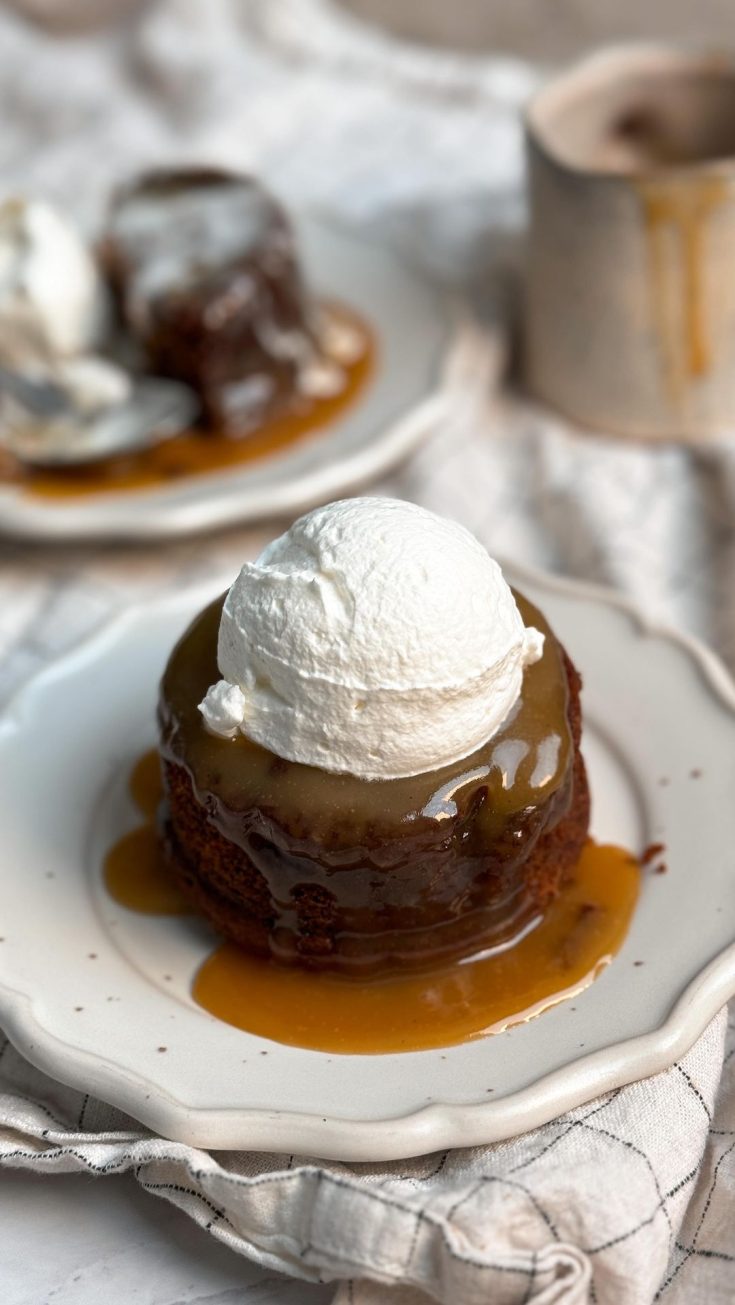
(424, 349)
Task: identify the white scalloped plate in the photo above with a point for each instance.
(657, 706)
(424, 345)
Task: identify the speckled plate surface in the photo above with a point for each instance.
(424, 344)
(90, 992)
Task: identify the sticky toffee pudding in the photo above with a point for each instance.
(368, 904)
(341, 873)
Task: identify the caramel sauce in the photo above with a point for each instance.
(146, 784)
(555, 957)
(677, 212)
(559, 955)
(577, 937)
(525, 762)
(197, 452)
(135, 873)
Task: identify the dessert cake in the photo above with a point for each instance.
(205, 267)
(371, 748)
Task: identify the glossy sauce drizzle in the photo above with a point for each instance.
(558, 957)
(523, 764)
(577, 936)
(193, 453)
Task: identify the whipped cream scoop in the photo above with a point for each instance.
(52, 297)
(373, 638)
(62, 403)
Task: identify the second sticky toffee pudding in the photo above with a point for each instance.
(208, 278)
(192, 345)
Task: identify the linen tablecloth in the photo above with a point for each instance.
(631, 1195)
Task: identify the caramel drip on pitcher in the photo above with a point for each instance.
(677, 214)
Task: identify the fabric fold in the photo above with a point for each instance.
(597, 1195)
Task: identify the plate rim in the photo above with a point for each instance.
(432, 1127)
